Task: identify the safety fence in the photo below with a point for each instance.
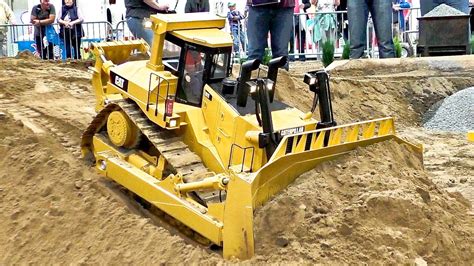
(310, 31)
(53, 41)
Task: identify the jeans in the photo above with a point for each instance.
(263, 19)
(138, 29)
(238, 37)
(3, 44)
(428, 5)
(381, 11)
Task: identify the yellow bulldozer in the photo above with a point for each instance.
(179, 132)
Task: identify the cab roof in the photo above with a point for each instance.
(213, 38)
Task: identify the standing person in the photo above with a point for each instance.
(6, 16)
(299, 32)
(70, 20)
(235, 22)
(342, 20)
(42, 15)
(138, 12)
(193, 6)
(381, 12)
(428, 5)
(276, 18)
(325, 22)
(114, 16)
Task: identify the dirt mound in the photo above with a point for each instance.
(56, 210)
(375, 205)
(367, 89)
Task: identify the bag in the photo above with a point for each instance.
(51, 34)
(264, 2)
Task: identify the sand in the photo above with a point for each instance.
(55, 209)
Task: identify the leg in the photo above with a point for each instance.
(3, 41)
(235, 40)
(257, 32)
(358, 13)
(67, 43)
(50, 51)
(77, 47)
(136, 27)
(280, 31)
(381, 11)
(242, 40)
(302, 43)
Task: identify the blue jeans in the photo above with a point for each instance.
(138, 30)
(381, 11)
(264, 19)
(428, 5)
(238, 37)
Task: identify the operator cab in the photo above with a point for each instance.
(195, 65)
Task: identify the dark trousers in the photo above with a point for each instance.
(71, 41)
(45, 52)
(301, 37)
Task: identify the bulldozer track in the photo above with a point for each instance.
(39, 123)
(176, 153)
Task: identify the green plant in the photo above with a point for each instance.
(328, 53)
(346, 50)
(398, 47)
(267, 56)
(472, 44)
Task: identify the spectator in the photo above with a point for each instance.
(325, 22)
(342, 20)
(138, 12)
(428, 5)
(70, 21)
(235, 22)
(6, 16)
(193, 6)
(114, 16)
(299, 29)
(42, 15)
(276, 18)
(381, 12)
(398, 16)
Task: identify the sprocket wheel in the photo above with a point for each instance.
(122, 132)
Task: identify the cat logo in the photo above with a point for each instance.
(291, 131)
(119, 81)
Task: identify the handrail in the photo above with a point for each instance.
(243, 157)
(160, 80)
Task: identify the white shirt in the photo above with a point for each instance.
(325, 6)
(6, 13)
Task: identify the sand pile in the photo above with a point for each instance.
(375, 205)
(54, 209)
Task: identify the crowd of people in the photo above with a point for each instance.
(286, 21)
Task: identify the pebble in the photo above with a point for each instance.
(444, 10)
(453, 114)
(282, 241)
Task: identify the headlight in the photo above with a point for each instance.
(173, 123)
(270, 85)
(253, 88)
(102, 165)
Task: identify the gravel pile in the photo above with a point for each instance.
(444, 11)
(454, 114)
